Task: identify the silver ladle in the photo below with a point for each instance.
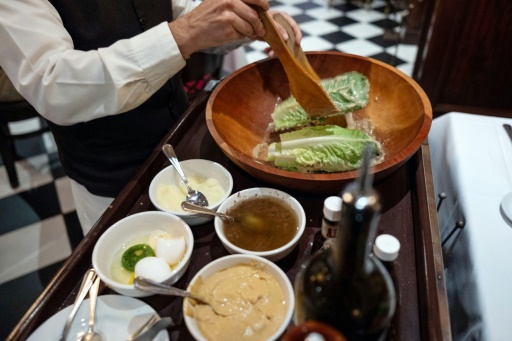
(193, 196)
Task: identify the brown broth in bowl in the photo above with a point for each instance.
(277, 224)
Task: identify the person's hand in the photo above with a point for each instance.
(293, 24)
(217, 22)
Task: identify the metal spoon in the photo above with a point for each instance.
(155, 328)
(87, 281)
(92, 335)
(152, 320)
(148, 285)
(248, 220)
(193, 196)
(189, 207)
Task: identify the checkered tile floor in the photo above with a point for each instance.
(369, 30)
(38, 224)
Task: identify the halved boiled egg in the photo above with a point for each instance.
(154, 268)
(171, 250)
(154, 235)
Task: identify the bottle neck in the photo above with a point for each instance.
(359, 219)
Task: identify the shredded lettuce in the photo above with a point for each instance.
(348, 91)
(327, 148)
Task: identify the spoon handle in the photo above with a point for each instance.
(189, 207)
(148, 285)
(87, 281)
(305, 84)
(153, 331)
(171, 155)
(93, 298)
(295, 49)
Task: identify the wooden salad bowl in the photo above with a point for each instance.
(238, 115)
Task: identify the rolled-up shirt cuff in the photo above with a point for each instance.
(158, 54)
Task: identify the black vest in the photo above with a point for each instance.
(104, 154)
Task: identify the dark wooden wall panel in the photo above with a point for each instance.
(464, 58)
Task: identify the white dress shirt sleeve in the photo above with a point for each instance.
(69, 86)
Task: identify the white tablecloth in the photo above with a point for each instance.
(472, 163)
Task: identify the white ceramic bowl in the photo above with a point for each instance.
(124, 232)
(232, 260)
(194, 167)
(273, 255)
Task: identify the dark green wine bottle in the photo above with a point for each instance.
(344, 286)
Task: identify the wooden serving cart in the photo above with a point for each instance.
(409, 213)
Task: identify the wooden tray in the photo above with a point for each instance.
(409, 213)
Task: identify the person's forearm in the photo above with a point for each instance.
(69, 86)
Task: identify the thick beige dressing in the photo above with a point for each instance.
(248, 304)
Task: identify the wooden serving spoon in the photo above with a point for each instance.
(304, 82)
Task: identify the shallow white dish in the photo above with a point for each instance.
(118, 236)
(273, 255)
(232, 260)
(193, 167)
(117, 317)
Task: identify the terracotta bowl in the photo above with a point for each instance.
(238, 114)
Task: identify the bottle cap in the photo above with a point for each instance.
(386, 247)
(332, 208)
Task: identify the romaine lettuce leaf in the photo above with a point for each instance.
(327, 148)
(348, 91)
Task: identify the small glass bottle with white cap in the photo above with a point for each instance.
(331, 219)
(386, 248)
